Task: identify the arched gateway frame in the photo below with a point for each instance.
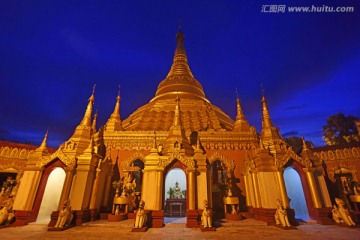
(177, 204)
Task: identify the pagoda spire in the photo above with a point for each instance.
(177, 139)
(86, 121)
(239, 112)
(177, 120)
(266, 120)
(305, 147)
(93, 125)
(114, 122)
(180, 64)
(270, 135)
(241, 124)
(43, 144)
(42, 149)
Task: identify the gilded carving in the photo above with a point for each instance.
(61, 155)
(230, 164)
(290, 154)
(126, 164)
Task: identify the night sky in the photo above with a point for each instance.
(52, 52)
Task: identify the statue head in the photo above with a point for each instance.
(142, 204)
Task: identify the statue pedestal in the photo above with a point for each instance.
(143, 229)
(157, 218)
(175, 207)
(53, 229)
(207, 229)
(233, 217)
(285, 228)
(192, 219)
(117, 218)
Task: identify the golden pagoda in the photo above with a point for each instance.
(178, 128)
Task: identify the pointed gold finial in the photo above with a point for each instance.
(86, 121)
(177, 111)
(43, 143)
(305, 147)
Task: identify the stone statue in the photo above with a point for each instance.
(65, 215)
(4, 214)
(341, 214)
(141, 217)
(234, 210)
(206, 220)
(281, 215)
(177, 192)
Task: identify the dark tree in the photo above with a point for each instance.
(340, 129)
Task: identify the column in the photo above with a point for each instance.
(66, 189)
(257, 191)
(283, 193)
(191, 191)
(313, 188)
(247, 192)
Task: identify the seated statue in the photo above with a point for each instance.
(141, 217)
(65, 215)
(177, 192)
(281, 215)
(206, 220)
(341, 214)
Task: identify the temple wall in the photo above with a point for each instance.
(269, 189)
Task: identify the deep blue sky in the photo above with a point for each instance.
(52, 52)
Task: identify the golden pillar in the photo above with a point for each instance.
(160, 175)
(283, 193)
(247, 191)
(107, 189)
(95, 189)
(313, 187)
(67, 186)
(256, 190)
(191, 191)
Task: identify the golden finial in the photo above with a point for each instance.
(305, 147)
(93, 91)
(237, 95)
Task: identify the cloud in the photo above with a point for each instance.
(290, 134)
(293, 108)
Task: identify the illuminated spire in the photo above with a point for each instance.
(305, 147)
(239, 113)
(93, 126)
(241, 124)
(114, 122)
(180, 63)
(177, 119)
(43, 143)
(266, 120)
(86, 121)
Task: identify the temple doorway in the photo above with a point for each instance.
(175, 196)
(219, 179)
(295, 193)
(52, 194)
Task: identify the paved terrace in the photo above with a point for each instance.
(175, 229)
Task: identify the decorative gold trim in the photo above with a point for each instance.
(126, 164)
(230, 164)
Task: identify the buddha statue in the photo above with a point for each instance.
(177, 191)
(281, 215)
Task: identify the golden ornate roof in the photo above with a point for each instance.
(197, 113)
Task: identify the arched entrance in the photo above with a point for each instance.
(52, 194)
(295, 193)
(175, 186)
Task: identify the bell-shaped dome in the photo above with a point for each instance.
(179, 81)
(196, 112)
